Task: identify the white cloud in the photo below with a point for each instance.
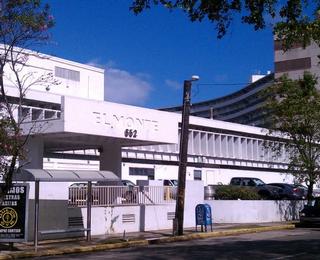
(96, 63)
(123, 87)
(173, 84)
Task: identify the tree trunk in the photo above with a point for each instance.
(310, 191)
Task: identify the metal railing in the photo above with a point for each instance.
(119, 195)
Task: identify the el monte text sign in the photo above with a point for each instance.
(118, 120)
(13, 214)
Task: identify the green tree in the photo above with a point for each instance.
(292, 20)
(23, 23)
(294, 113)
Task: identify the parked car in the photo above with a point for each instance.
(115, 183)
(130, 193)
(264, 190)
(79, 185)
(291, 191)
(310, 214)
(78, 193)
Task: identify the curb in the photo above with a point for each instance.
(73, 250)
(144, 242)
(221, 233)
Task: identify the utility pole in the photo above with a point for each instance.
(183, 157)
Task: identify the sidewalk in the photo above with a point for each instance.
(98, 243)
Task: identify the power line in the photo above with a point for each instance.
(197, 88)
(223, 84)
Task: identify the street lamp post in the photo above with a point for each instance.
(183, 156)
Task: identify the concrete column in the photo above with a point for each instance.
(34, 153)
(110, 158)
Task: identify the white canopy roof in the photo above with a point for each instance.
(63, 175)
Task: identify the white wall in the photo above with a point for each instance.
(194, 195)
(110, 220)
(55, 214)
(156, 217)
(213, 176)
(90, 86)
(254, 211)
(209, 175)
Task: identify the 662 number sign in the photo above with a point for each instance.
(132, 133)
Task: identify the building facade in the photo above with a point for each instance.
(295, 61)
(84, 132)
(244, 106)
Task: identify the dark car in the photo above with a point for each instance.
(116, 183)
(173, 183)
(310, 215)
(291, 191)
(264, 190)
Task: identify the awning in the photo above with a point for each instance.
(63, 175)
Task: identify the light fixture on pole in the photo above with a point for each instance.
(183, 156)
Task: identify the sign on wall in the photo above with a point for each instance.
(13, 214)
(120, 121)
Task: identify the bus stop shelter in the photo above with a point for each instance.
(41, 175)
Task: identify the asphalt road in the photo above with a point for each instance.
(287, 244)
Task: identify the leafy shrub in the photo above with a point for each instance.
(229, 192)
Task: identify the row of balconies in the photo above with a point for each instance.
(30, 114)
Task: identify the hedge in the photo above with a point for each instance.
(229, 192)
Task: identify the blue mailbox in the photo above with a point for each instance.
(208, 215)
(203, 216)
(200, 212)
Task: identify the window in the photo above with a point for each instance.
(67, 73)
(235, 181)
(258, 182)
(290, 65)
(278, 45)
(141, 171)
(197, 175)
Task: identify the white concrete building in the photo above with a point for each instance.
(81, 131)
(244, 106)
(75, 79)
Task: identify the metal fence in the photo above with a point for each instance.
(119, 195)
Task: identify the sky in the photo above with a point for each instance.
(147, 57)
